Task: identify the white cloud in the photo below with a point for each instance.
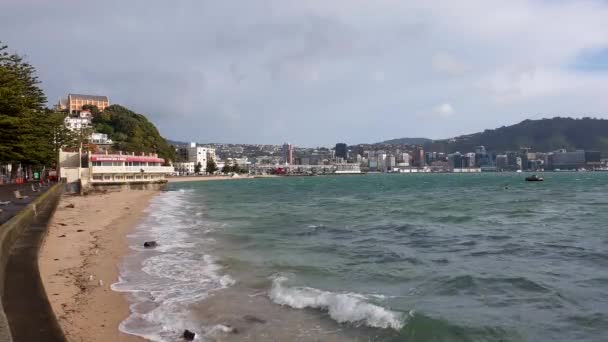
(444, 110)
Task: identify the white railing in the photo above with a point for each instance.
(131, 169)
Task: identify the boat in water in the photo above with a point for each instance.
(534, 178)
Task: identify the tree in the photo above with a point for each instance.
(226, 169)
(211, 166)
(132, 132)
(197, 168)
(92, 108)
(236, 168)
(25, 129)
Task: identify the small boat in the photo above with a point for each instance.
(534, 178)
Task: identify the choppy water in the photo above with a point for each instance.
(429, 257)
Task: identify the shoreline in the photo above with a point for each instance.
(79, 260)
(180, 179)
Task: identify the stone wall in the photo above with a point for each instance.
(11, 230)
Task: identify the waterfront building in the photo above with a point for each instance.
(287, 153)
(185, 168)
(347, 168)
(502, 162)
(192, 155)
(93, 169)
(564, 160)
(390, 162)
(418, 157)
(74, 102)
(455, 161)
(341, 151)
(470, 160)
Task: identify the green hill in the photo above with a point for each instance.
(407, 141)
(540, 135)
(131, 132)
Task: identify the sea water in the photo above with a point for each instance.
(416, 257)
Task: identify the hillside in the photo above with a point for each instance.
(540, 135)
(407, 141)
(131, 132)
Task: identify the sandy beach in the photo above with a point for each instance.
(79, 260)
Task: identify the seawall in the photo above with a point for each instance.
(24, 306)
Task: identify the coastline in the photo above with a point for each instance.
(79, 260)
(179, 179)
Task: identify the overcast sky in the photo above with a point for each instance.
(315, 72)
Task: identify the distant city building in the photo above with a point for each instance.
(502, 162)
(192, 155)
(74, 102)
(418, 157)
(287, 153)
(341, 151)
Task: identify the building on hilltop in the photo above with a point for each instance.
(74, 102)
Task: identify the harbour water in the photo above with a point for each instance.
(417, 257)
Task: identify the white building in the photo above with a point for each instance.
(185, 168)
(112, 169)
(100, 139)
(82, 121)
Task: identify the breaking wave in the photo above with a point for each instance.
(342, 307)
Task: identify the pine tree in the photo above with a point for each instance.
(211, 166)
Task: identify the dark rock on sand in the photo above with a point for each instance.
(188, 335)
(150, 244)
(71, 205)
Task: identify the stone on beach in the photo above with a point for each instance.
(150, 244)
(188, 335)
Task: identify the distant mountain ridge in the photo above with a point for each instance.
(542, 135)
(407, 141)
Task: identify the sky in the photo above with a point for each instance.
(317, 72)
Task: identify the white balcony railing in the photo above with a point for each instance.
(131, 169)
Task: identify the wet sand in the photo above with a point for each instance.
(79, 260)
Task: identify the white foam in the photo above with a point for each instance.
(342, 307)
(166, 280)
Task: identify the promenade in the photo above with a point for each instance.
(15, 205)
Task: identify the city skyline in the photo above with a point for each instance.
(348, 71)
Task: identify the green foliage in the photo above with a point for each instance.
(197, 168)
(132, 132)
(27, 131)
(211, 166)
(541, 135)
(91, 108)
(226, 169)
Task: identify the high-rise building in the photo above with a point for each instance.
(418, 158)
(341, 151)
(288, 153)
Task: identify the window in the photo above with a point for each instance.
(129, 177)
(107, 177)
(138, 177)
(97, 178)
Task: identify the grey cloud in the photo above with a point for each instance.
(315, 72)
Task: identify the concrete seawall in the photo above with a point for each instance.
(19, 241)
